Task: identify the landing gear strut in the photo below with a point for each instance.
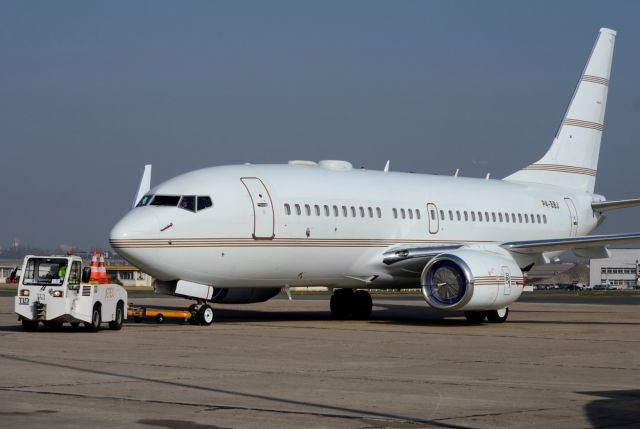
(347, 304)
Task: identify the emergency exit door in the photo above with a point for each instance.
(262, 206)
(433, 219)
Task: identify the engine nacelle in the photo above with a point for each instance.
(471, 280)
(244, 295)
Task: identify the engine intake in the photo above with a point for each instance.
(470, 279)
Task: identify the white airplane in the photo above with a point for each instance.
(234, 234)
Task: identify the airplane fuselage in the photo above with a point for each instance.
(277, 225)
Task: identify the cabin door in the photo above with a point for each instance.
(434, 221)
(262, 207)
(574, 216)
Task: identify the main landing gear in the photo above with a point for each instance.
(492, 316)
(347, 304)
(201, 314)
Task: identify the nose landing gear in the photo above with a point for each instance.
(201, 314)
(347, 304)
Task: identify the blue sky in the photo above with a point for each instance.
(91, 91)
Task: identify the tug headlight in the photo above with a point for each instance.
(24, 292)
(57, 293)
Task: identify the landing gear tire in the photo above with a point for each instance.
(29, 325)
(96, 320)
(347, 304)
(116, 324)
(205, 315)
(498, 316)
(341, 304)
(362, 304)
(475, 317)
(193, 320)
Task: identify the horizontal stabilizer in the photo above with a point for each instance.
(613, 205)
(540, 246)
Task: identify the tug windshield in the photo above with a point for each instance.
(45, 271)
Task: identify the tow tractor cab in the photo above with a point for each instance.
(52, 290)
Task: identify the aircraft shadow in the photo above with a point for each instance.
(614, 408)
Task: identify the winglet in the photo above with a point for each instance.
(145, 184)
(386, 167)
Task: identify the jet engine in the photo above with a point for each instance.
(471, 280)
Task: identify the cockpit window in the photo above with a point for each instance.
(144, 200)
(188, 203)
(165, 200)
(204, 202)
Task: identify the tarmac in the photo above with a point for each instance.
(284, 364)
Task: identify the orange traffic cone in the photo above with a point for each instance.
(103, 279)
(95, 276)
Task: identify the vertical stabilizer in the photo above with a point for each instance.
(572, 159)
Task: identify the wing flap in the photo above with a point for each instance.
(549, 245)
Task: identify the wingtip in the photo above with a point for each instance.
(608, 31)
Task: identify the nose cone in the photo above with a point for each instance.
(138, 223)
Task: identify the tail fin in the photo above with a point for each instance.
(572, 159)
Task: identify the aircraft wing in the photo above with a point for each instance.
(569, 243)
(604, 206)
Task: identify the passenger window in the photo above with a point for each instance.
(344, 211)
(361, 211)
(410, 213)
(395, 213)
(317, 209)
(458, 215)
(298, 211)
(204, 202)
(519, 218)
(500, 217)
(513, 218)
(532, 218)
(188, 203)
(353, 211)
(370, 210)
(326, 211)
(287, 209)
(486, 216)
(526, 218)
(307, 209)
(544, 218)
(432, 213)
(473, 216)
(450, 215)
(466, 217)
(417, 213)
(493, 217)
(402, 214)
(538, 218)
(441, 214)
(379, 212)
(336, 213)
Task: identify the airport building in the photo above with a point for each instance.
(621, 270)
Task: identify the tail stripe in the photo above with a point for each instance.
(583, 124)
(561, 169)
(595, 79)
